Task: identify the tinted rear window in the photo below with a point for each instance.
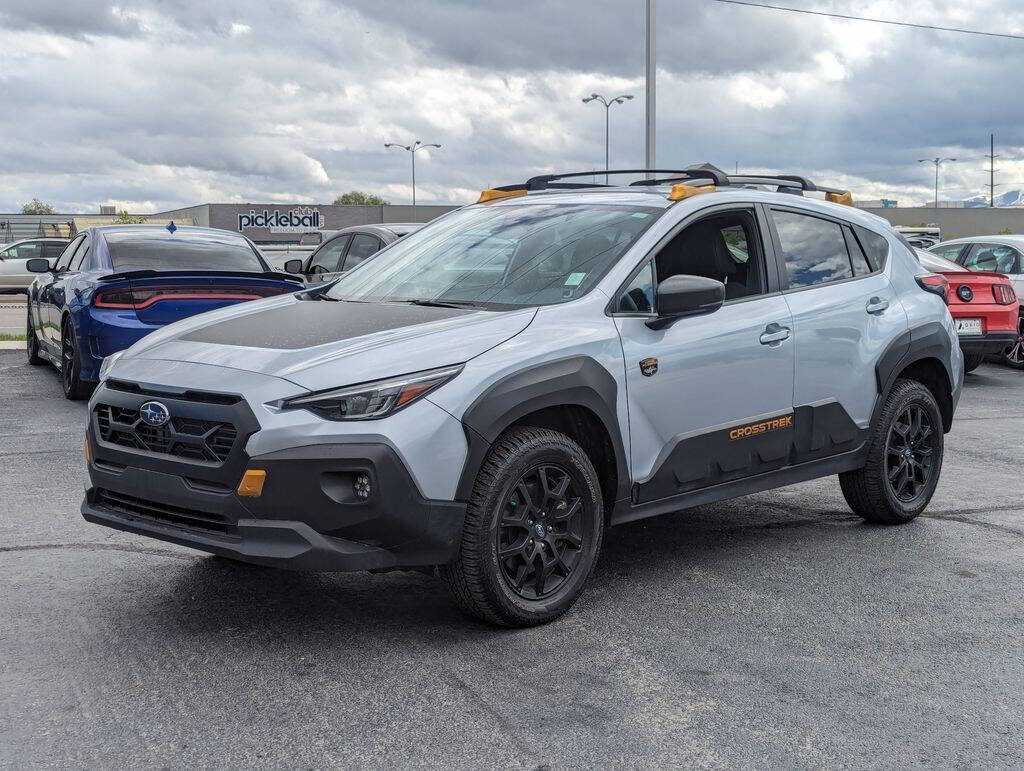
(193, 251)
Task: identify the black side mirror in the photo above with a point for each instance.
(38, 265)
(681, 296)
(293, 266)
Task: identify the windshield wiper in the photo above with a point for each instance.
(442, 303)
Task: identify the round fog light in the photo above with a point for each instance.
(362, 486)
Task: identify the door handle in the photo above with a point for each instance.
(877, 305)
(774, 334)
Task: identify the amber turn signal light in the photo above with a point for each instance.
(252, 482)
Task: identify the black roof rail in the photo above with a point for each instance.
(785, 183)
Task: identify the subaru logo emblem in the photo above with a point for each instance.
(154, 414)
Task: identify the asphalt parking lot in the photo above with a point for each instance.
(12, 314)
(771, 631)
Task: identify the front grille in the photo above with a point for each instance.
(191, 439)
(193, 396)
(164, 512)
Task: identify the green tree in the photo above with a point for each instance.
(35, 206)
(124, 218)
(359, 198)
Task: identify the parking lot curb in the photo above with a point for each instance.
(12, 345)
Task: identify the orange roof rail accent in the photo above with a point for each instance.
(679, 192)
(845, 198)
(494, 195)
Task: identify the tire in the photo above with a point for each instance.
(508, 510)
(883, 491)
(1013, 356)
(74, 387)
(32, 343)
(972, 361)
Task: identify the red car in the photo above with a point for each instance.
(983, 305)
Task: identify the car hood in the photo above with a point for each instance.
(320, 344)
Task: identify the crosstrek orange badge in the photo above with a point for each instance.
(752, 429)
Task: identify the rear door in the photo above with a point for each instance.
(325, 263)
(845, 313)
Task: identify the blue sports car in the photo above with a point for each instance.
(115, 284)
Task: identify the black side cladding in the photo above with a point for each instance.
(575, 381)
(761, 445)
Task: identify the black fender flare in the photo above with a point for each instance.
(927, 341)
(574, 381)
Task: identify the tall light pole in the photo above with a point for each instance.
(607, 106)
(650, 71)
(938, 162)
(411, 149)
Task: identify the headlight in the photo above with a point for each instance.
(108, 362)
(373, 400)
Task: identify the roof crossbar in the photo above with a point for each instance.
(704, 172)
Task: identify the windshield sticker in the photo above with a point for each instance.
(575, 279)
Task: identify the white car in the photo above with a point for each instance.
(14, 276)
(995, 254)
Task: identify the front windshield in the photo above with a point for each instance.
(501, 256)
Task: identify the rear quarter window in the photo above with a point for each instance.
(134, 250)
(875, 246)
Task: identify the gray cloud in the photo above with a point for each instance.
(74, 19)
(177, 101)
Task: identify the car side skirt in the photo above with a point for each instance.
(751, 448)
(626, 511)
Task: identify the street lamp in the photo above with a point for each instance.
(411, 149)
(607, 106)
(938, 162)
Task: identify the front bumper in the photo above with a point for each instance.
(309, 516)
(992, 342)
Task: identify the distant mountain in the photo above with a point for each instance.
(1009, 198)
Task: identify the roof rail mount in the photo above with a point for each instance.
(703, 172)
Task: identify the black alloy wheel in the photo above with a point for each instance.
(532, 530)
(32, 343)
(909, 452)
(903, 460)
(71, 366)
(1014, 354)
(541, 533)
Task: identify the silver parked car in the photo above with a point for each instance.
(346, 248)
(491, 394)
(14, 275)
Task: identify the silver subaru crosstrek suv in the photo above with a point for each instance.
(486, 396)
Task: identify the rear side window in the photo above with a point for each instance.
(68, 253)
(53, 249)
(814, 249)
(160, 250)
(875, 246)
(363, 246)
(857, 256)
(80, 257)
(996, 258)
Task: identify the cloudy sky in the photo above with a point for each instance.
(161, 103)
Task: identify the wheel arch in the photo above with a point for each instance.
(575, 396)
(922, 354)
